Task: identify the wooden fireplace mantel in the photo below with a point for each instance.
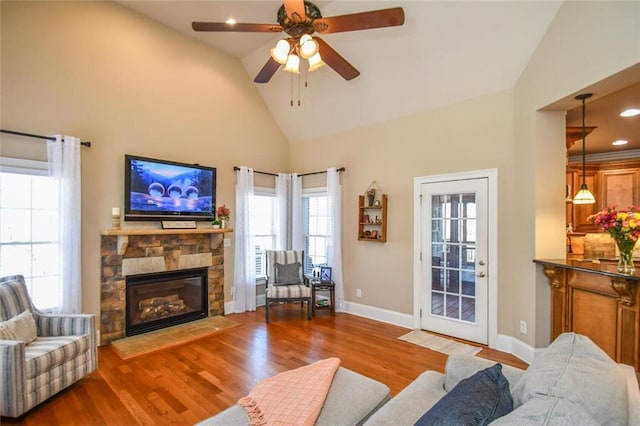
(155, 231)
(124, 234)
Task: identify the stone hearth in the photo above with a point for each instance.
(132, 252)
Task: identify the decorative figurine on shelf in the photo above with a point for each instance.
(371, 195)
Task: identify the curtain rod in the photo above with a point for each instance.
(341, 169)
(31, 135)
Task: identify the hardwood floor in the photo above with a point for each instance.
(186, 384)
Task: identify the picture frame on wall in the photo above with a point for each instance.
(325, 274)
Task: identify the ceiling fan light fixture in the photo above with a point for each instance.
(315, 62)
(280, 53)
(631, 112)
(293, 64)
(619, 142)
(308, 46)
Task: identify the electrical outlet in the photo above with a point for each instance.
(523, 327)
(226, 242)
(358, 292)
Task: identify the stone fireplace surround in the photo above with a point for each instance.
(126, 252)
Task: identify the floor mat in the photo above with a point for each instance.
(141, 344)
(439, 344)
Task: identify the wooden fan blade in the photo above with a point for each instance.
(360, 21)
(267, 71)
(335, 61)
(245, 28)
(295, 7)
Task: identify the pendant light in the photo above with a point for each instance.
(584, 196)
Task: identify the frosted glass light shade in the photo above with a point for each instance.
(315, 62)
(584, 196)
(281, 52)
(308, 46)
(293, 63)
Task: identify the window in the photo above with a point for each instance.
(29, 229)
(263, 227)
(316, 222)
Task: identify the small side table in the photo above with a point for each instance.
(323, 286)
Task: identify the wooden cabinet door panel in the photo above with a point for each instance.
(619, 188)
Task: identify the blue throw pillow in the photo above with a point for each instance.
(477, 400)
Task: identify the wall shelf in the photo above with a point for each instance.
(372, 220)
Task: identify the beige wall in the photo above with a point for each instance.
(98, 71)
(103, 73)
(473, 135)
(586, 43)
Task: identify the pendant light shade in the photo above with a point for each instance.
(584, 196)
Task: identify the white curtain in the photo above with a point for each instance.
(65, 167)
(297, 231)
(334, 249)
(289, 232)
(244, 273)
(283, 194)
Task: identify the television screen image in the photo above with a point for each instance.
(164, 189)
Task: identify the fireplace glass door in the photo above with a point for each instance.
(164, 299)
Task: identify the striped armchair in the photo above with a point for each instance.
(285, 279)
(63, 352)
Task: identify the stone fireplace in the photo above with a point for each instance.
(134, 253)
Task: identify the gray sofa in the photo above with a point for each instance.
(573, 382)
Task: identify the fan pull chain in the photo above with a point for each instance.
(291, 92)
(298, 89)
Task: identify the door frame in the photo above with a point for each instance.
(492, 240)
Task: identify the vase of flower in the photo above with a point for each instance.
(625, 262)
(624, 228)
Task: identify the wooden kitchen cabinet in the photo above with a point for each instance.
(618, 187)
(612, 183)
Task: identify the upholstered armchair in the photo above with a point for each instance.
(40, 354)
(285, 279)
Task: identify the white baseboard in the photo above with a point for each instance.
(379, 314)
(503, 342)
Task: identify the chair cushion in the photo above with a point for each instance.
(575, 369)
(48, 352)
(477, 400)
(21, 327)
(288, 291)
(287, 274)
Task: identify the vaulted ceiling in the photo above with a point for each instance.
(446, 52)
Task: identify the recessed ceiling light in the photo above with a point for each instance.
(620, 142)
(631, 112)
(230, 21)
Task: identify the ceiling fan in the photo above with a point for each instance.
(299, 19)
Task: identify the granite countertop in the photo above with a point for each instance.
(608, 267)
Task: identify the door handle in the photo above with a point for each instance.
(480, 274)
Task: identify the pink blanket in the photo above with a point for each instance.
(291, 398)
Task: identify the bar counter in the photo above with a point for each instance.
(594, 299)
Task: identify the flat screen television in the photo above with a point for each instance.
(166, 190)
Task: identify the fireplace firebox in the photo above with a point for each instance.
(163, 299)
